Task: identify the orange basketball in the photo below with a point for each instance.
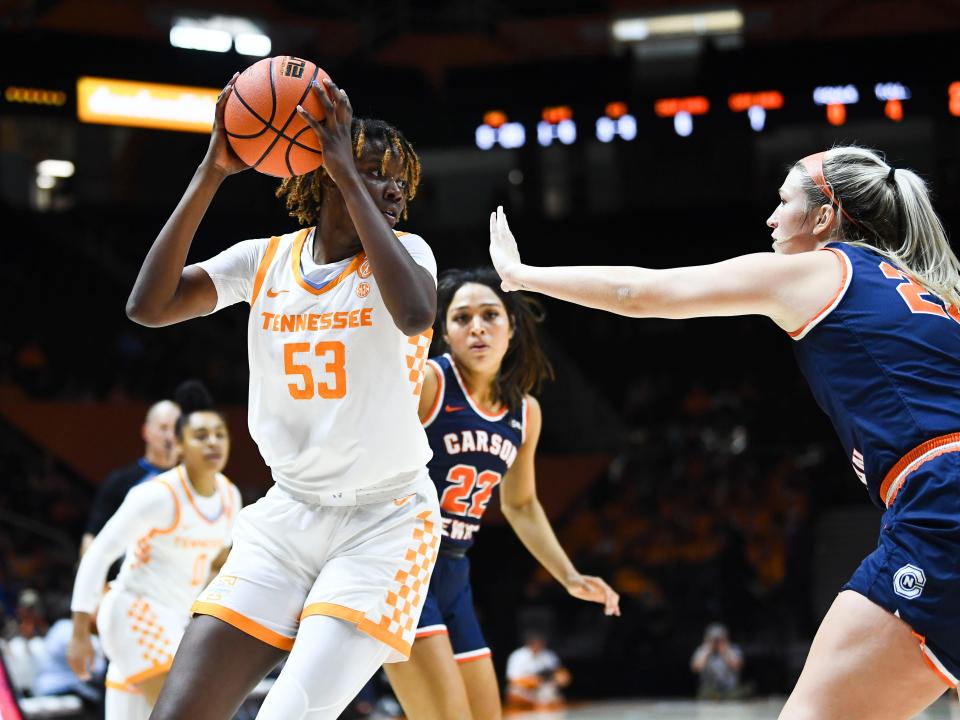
(261, 118)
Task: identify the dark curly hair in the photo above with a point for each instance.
(525, 366)
(192, 396)
(303, 194)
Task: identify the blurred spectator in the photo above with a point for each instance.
(535, 676)
(54, 676)
(718, 663)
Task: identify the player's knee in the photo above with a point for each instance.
(287, 700)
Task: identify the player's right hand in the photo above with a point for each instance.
(503, 250)
(220, 156)
(80, 656)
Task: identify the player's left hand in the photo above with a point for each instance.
(503, 250)
(594, 589)
(335, 130)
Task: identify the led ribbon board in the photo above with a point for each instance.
(150, 105)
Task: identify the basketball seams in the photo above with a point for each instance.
(266, 123)
(251, 135)
(292, 114)
(292, 143)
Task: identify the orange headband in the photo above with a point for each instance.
(814, 167)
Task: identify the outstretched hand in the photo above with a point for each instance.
(594, 589)
(220, 155)
(335, 130)
(503, 250)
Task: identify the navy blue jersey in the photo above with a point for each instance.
(472, 451)
(883, 361)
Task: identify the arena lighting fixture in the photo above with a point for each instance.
(55, 168)
(836, 98)
(756, 104)
(218, 34)
(557, 124)
(616, 122)
(34, 96)
(953, 93)
(496, 130)
(892, 94)
(682, 111)
(711, 22)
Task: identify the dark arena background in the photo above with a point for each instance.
(684, 461)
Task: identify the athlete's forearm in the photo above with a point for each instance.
(617, 289)
(532, 526)
(406, 288)
(81, 625)
(160, 275)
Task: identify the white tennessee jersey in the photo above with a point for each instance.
(170, 537)
(334, 384)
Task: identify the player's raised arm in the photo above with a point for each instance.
(789, 289)
(165, 292)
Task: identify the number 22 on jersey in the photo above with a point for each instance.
(331, 359)
(469, 492)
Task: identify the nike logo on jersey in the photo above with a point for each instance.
(400, 502)
(271, 293)
(454, 408)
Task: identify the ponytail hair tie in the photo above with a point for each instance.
(890, 178)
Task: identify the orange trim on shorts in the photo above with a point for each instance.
(902, 469)
(344, 274)
(265, 263)
(844, 281)
(149, 673)
(244, 624)
(364, 625)
(479, 656)
(926, 657)
(431, 633)
(121, 687)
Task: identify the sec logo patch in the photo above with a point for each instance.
(363, 289)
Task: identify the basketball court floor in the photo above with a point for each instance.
(947, 708)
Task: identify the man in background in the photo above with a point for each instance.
(718, 663)
(160, 454)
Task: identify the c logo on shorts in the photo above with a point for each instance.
(909, 582)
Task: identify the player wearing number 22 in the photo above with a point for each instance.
(483, 427)
(338, 554)
(864, 279)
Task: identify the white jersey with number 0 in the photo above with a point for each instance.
(334, 384)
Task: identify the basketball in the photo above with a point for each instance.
(261, 118)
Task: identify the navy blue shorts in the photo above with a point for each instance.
(915, 570)
(449, 609)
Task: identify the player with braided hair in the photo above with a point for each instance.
(339, 552)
